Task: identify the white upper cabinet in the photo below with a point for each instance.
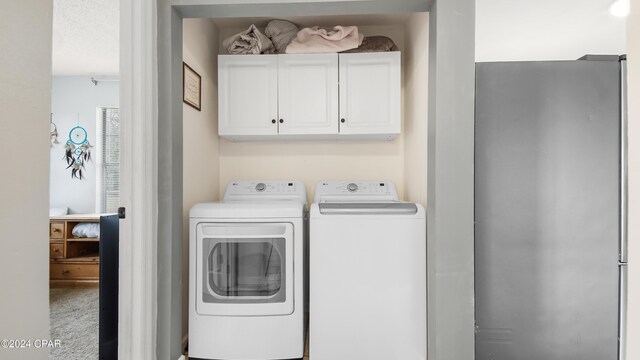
(370, 93)
(308, 94)
(247, 95)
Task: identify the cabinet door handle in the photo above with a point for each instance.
(281, 121)
(273, 121)
(342, 120)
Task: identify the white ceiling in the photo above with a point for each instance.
(516, 30)
(85, 32)
(85, 37)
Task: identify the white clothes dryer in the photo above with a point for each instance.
(368, 294)
(246, 267)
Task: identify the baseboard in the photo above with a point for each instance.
(74, 283)
(185, 341)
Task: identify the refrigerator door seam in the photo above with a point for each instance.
(623, 161)
(622, 313)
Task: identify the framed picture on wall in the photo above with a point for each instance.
(191, 87)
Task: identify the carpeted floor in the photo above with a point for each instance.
(74, 321)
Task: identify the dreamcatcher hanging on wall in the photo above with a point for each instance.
(77, 150)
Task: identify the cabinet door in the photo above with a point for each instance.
(248, 95)
(370, 93)
(308, 94)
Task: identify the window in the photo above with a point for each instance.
(108, 160)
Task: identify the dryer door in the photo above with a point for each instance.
(244, 269)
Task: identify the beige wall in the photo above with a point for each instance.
(313, 161)
(25, 100)
(633, 83)
(200, 131)
(415, 105)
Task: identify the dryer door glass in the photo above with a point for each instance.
(241, 267)
(246, 268)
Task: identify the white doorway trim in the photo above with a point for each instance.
(137, 314)
(151, 113)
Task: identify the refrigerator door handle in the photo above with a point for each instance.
(623, 162)
(622, 313)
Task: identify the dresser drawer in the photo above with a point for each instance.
(74, 271)
(56, 251)
(56, 230)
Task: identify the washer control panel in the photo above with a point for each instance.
(265, 190)
(361, 190)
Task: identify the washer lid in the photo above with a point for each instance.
(387, 208)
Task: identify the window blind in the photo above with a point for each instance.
(110, 159)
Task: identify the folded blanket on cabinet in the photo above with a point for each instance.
(281, 33)
(316, 40)
(250, 41)
(374, 44)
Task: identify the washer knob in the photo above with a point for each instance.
(261, 187)
(352, 187)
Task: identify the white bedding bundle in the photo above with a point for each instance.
(86, 230)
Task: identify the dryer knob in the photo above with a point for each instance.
(352, 187)
(261, 187)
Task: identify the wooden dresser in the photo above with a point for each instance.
(73, 261)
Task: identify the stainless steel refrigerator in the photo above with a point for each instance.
(550, 211)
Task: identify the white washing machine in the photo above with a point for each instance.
(246, 261)
(368, 276)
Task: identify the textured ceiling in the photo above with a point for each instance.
(517, 30)
(85, 37)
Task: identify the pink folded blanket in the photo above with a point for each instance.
(316, 40)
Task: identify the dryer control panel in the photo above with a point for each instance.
(265, 190)
(355, 190)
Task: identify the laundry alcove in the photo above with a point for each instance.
(211, 162)
(173, 147)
